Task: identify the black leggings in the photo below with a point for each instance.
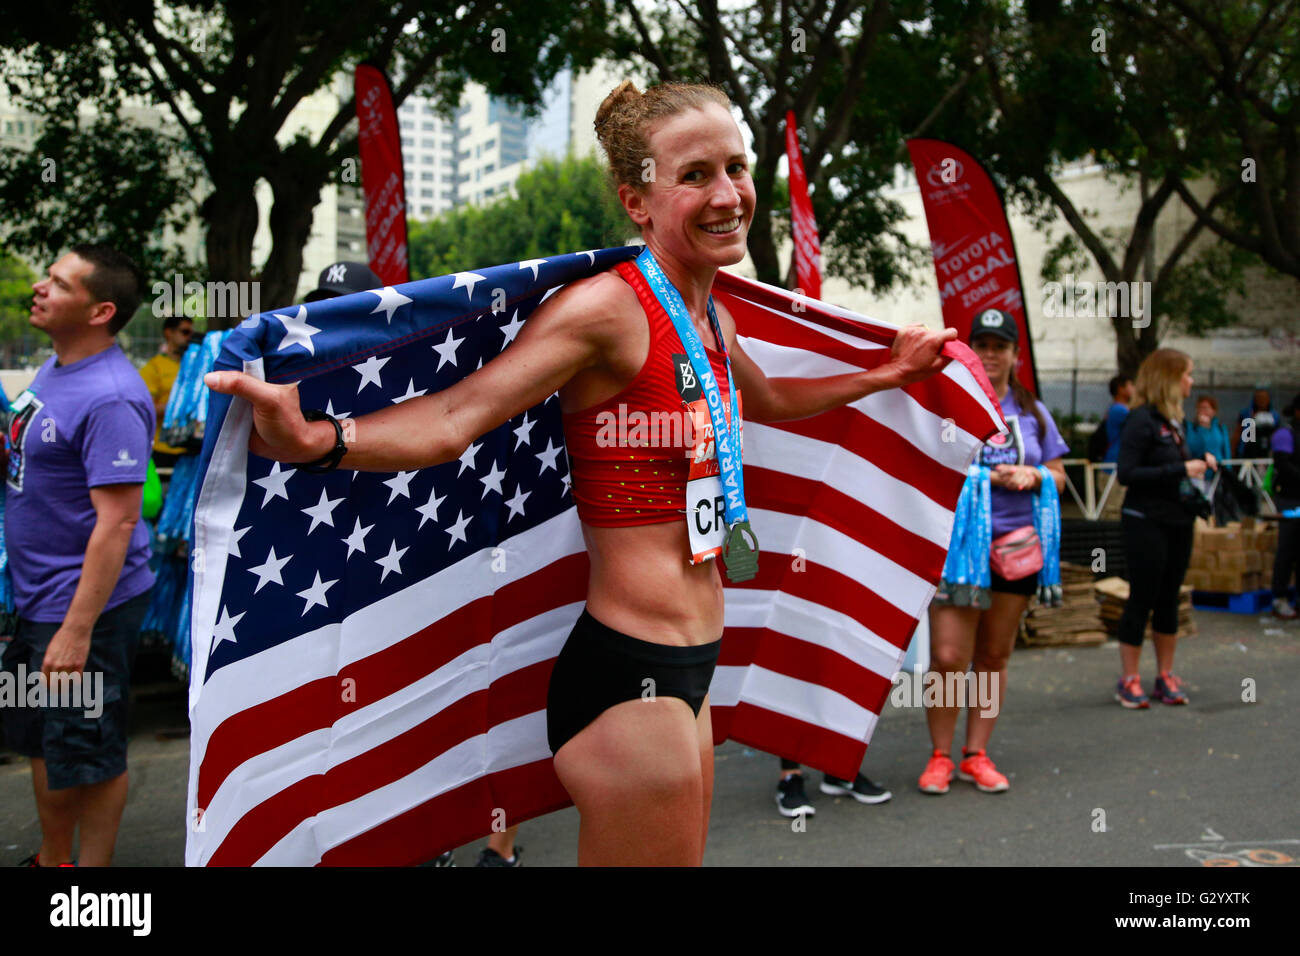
(1157, 556)
(1287, 560)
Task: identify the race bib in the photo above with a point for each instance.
(706, 504)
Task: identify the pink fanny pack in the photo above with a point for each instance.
(1017, 554)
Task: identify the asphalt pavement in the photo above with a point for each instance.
(1092, 784)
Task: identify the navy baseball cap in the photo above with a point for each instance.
(343, 278)
(995, 322)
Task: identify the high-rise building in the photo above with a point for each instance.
(350, 224)
(429, 150)
(493, 145)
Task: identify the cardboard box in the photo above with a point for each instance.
(1198, 579)
(1221, 539)
(1225, 581)
(1253, 561)
(1249, 523)
(1232, 560)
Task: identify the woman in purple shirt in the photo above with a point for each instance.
(968, 624)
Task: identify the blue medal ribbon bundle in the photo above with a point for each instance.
(187, 408)
(1047, 524)
(967, 566)
(741, 550)
(168, 620)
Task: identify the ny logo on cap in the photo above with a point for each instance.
(337, 273)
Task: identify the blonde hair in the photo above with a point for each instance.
(623, 121)
(1159, 382)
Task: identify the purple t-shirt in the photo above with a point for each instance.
(1023, 446)
(77, 427)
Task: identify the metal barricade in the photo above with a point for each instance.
(1100, 482)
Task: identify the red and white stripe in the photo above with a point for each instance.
(419, 722)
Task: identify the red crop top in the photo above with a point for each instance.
(629, 458)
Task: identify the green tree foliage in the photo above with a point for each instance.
(559, 206)
(859, 76)
(1239, 62)
(15, 296)
(49, 192)
(17, 336)
(230, 73)
(1056, 82)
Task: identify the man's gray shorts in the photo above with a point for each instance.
(78, 750)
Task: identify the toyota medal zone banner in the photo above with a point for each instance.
(974, 256)
(381, 176)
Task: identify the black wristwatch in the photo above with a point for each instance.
(330, 461)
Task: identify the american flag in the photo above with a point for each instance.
(371, 652)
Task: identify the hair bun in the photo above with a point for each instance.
(618, 97)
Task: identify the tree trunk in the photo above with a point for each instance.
(231, 225)
(1135, 338)
(762, 246)
(292, 212)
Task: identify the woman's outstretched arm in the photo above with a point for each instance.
(566, 334)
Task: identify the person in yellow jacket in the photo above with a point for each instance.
(159, 374)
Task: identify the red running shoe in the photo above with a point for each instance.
(1169, 689)
(979, 770)
(1130, 694)
(937, 774)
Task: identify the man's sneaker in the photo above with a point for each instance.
(490, 857)
(1168, 689)
(979, 770)
(861, 789)
(1282, 608)
(446, 859)
(791, 799)
(1129, 693)
(937, 774)
(35, 860)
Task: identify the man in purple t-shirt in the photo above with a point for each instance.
(78, 445)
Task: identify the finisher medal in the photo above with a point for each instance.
(741, 553)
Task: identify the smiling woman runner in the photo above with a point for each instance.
(641, 777)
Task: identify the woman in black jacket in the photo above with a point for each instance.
(1286, 496)
(1154, 464)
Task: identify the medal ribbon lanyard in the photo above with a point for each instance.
(728, 450)
(741, 549)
